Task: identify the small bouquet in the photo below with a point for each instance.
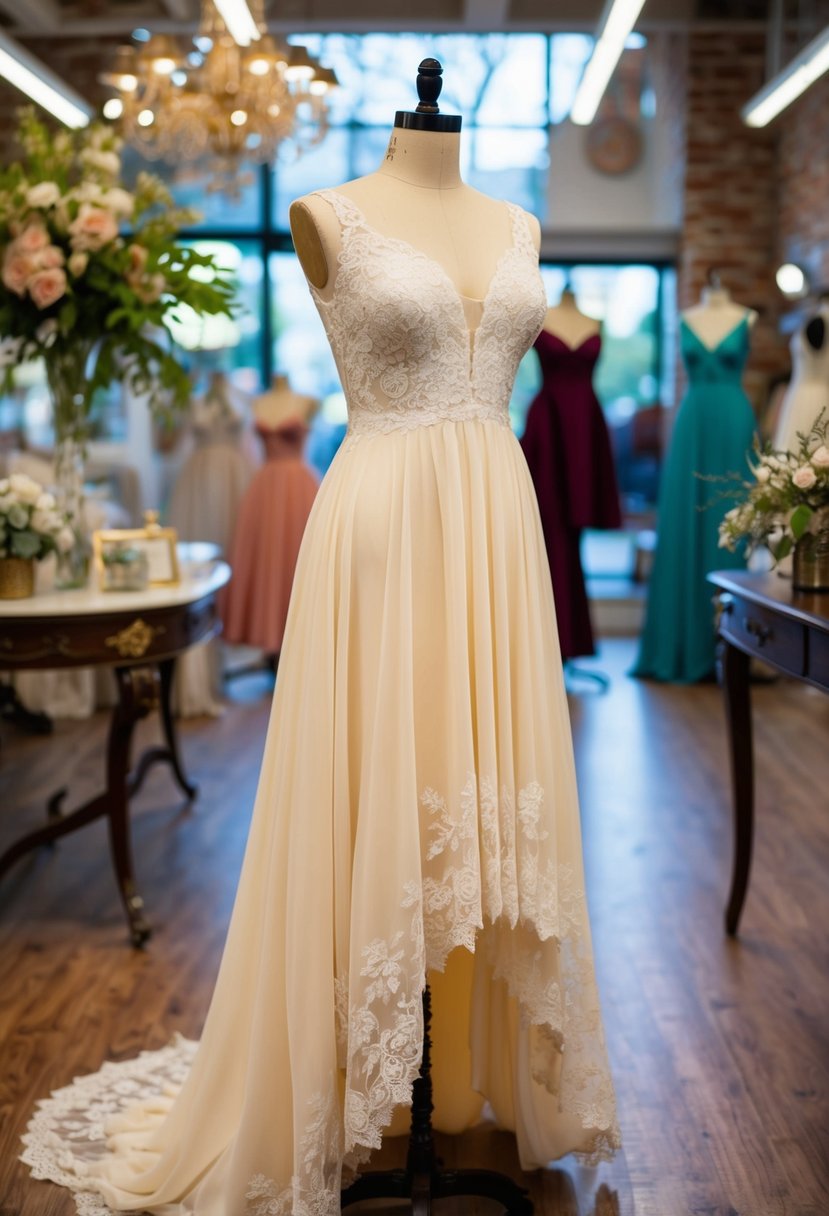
(30, 524)
(788, 499)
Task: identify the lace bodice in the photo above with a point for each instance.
(398, 328)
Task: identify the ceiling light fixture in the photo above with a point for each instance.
(225, 102)
(787, 86)
(615, 25)
(40, 83)
(239, 21)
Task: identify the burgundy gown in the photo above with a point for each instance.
(567, 446)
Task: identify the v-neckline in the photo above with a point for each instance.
(402, 243)
(712, 350)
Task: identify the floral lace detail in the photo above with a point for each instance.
(66, 1132)
(408, 360)
(487, 880)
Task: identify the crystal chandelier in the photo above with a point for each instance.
(218, 101)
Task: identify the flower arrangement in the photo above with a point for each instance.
(788, 499)
(30, 524)
(89, 266)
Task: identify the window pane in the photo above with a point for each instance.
(326, 165)
(568, 55)
(189, 185)
(508, 163)
(232, 345)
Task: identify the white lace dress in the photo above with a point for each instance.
(417, 808)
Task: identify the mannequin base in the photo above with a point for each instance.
(423, 1180)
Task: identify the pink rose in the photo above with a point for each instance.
(92, 228)
(33, 238)
(137, 261)
(50, 257)
(820, 458)
(47, 286)
(804, 477)
(18, 268)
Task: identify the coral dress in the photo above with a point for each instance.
(417, 805)
(268, 535)
(567, 446)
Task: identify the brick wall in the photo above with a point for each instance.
(803, 175)
(730, 192)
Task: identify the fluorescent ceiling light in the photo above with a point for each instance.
(41, 84)
(795, 79)
(617, 21)
(239, 21)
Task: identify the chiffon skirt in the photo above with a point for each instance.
(416, 812)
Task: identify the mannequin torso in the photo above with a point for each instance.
(281, 403)
(416, 196)
(567, 322)
(716, 315)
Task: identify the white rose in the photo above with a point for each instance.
(763, 473)
(18, 515)
(78, 262)
(25, 488)
(46, 502)
(820, 458)
(106, 162)
(120, 201)
(44, 194)
(41, 521)
(4, 485)
(804, 477)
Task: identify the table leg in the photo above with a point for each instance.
(137, 696)
(737, 691)
(169, 754)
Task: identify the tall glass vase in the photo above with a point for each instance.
(66, 372)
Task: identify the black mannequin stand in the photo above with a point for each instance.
(423, 1179)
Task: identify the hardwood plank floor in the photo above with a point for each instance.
(720, 1049)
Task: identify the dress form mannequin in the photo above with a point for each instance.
(716, 315)
(711, 438)
(416, 195)
(567, 446)
(280, 402)
(807, 395)
(566, 321)
(420, 619)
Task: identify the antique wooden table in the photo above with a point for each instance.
(139, 634)
(760, 616)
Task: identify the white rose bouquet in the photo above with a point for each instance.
(90, 268)
(30, 524)
(788, 498)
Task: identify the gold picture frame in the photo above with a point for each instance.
(157, 544)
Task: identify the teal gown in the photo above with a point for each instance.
(713, 435)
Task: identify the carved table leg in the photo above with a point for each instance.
(137, 696)
(168, 754)
(737, 690)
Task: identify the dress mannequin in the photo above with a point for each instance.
(280, 402)
(566, 321)
(712, 438)
(808, 393)
(420, 651)
(716, 315)
(271, 521)
(567, 446)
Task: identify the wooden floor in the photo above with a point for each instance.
(720, 1049)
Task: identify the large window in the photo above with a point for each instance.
(509, 88)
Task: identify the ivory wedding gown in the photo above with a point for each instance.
(417, 802)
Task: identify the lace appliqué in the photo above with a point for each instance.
(66, 1132)
(315, 1188)
(408, 360)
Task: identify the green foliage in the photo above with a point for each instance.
(92, 273)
